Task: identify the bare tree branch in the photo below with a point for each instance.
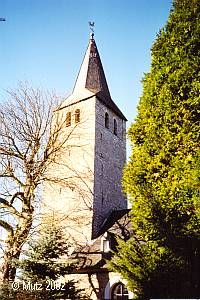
(7, 227)
(32, 140)
(28, 145)
(5, 204)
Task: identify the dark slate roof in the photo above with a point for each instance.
(91, 77)
(90, 258)
(96, 80)
(113, 217)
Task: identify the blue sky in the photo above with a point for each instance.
(44, 41)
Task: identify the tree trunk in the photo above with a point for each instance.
(9, 269)
(13, 248)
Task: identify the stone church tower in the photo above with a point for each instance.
(88, 172)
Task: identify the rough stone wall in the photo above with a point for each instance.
(88, 171)
(87, 180)
(110, 157)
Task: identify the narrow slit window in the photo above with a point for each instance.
(77, 115)
(68, 119)
(106, 120)
(115, 127)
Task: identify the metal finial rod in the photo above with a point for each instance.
(91, 24)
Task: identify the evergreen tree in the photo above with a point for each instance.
(162, 177)
(46, 261)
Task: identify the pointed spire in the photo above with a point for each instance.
(91, 80)
(91, 75)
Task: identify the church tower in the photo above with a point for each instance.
(89, 170)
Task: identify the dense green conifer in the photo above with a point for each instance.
(45, 265)
(162, 177)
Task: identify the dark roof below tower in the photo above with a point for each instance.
(113, 217)
(91, 258)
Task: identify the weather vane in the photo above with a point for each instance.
(91, 24)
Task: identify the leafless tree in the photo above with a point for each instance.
(29, 143)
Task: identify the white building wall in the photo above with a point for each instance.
(69, 197)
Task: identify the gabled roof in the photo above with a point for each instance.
(91, 258)
(113, 217)
(91, 81)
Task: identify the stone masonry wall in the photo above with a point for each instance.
(88, 171)
(110, 157)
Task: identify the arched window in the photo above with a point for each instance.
(119, 292)
(115, 127)
(77, 115)
(68, 119)
(106, 120)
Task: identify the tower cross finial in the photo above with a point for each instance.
(91, 24)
